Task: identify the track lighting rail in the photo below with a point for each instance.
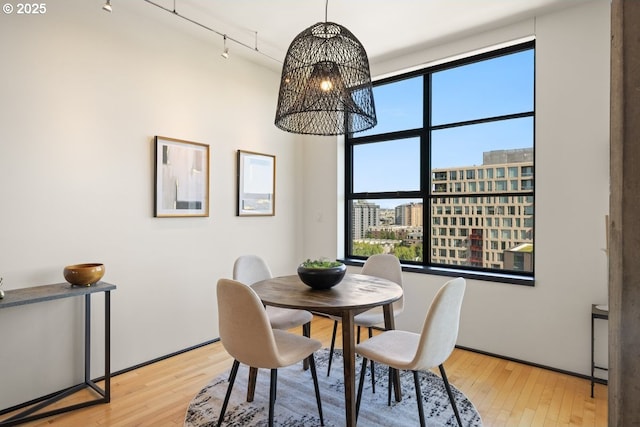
(225, 36)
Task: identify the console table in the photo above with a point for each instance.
(18, 297)
(596, 313)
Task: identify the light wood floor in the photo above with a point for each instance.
(505, 393)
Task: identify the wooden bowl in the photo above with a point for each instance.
(83, 274)
(321, 278)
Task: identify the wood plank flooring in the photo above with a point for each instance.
(504, 392)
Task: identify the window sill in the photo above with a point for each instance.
(452, 272)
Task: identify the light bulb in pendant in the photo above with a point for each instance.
(326, 85)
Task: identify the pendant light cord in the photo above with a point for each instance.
(326, 11)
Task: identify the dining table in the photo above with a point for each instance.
(355, 294)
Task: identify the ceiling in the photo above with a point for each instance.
(386, 28)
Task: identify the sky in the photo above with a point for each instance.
(499, 86)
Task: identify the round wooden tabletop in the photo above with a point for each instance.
(355, 292)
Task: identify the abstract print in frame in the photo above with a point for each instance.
(256, 184)
(181, 178)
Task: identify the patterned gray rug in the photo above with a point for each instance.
(296, 402)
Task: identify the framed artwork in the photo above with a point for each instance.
(256, 184)
(182, 178)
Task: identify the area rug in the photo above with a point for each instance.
(296, 403)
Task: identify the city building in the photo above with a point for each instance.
(484, 211)
(365, 215)
(409, 214)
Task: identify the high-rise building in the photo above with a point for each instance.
(409, 214)
(365, 215)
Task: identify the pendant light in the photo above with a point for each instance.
(325, 88)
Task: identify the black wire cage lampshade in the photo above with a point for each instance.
(325, 88)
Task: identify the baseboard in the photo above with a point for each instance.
(161, 358)
(536, 365)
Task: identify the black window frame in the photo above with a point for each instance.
(425, 194)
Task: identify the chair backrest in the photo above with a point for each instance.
(440, 329)
(388, 267)
(245, 330)
(250, 269)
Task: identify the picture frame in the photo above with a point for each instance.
(256, 179)
(181, 178)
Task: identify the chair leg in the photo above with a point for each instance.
(232, 379)
(333, 344)
(306, 331)
(453, 401)
(363, 370)
(416, 382)
(272, 394)
(373, 371)
(314, 375)
(390, 388)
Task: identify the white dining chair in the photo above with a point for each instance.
(403, 350)
(247, 335)
(249, 269)
(385, 266)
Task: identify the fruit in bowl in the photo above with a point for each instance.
(83, 274)
(321, 274)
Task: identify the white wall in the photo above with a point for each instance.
(82, 93)
(547, 324)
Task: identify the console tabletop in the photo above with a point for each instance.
(43, 293)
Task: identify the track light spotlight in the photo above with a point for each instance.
(107, 6)
(225, 52)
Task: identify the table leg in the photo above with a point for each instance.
(87, 338)
(389, 324)
(107, 346)
(251, 385)
(349, 356)
(593, 363)
(306, 331)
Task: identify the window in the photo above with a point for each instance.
(450, 139)
(518, 261)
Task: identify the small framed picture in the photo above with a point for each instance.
(256, 184)
(182, 178)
